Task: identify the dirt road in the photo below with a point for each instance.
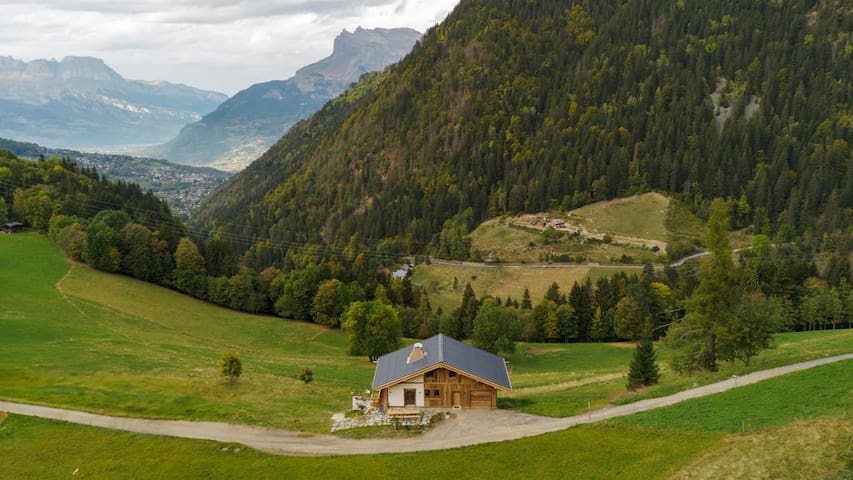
(465, 428)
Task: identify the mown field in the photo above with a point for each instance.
(641, 216)
(638, 228)
(501, 281)
(78, 338)
(808, 439)
(74, 337)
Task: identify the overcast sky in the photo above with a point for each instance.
(221, 45)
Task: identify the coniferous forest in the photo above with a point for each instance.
(514, 106)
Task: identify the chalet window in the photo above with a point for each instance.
(429, 376)
(452, 375)
(409, 397)
(426, 393)
(435, 393)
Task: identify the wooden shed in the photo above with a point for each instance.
(440, 372)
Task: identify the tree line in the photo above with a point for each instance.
(723, 310)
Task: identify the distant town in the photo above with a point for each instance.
(182, 187)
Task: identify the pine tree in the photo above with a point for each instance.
(709, 309)
(644, 369)
(526, 303)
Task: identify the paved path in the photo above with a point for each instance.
(466, 428)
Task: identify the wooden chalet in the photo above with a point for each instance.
(439, 372)
(12, 227)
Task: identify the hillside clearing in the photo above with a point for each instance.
(636, 229)
(639, 216)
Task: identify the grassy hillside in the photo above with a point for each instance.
(640, 227)
(640, 216)
(112, 344)
(498, 281)
(808, 447)
(559, 379)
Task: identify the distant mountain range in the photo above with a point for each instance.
(182, 187)
(247, 124)
(80, 102)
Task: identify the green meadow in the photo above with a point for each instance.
(74, 337)
(665, 443)
(33, 448)
(77, 338)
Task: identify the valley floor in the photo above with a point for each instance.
(466, 428)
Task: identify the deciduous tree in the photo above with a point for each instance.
(190, 274)
(750, 328)
(372, 328)
(496, 329)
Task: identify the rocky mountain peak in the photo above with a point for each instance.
(70, 68)
(87, 68)
(353, 54)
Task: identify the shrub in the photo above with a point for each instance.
(306, 375)
(230, 366)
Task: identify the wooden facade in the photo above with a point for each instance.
(448, 388)
(440, 387)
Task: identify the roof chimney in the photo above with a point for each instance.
(416, 354)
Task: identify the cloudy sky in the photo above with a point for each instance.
(222, 45)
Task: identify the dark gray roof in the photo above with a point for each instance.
(442, 349)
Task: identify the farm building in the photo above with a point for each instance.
(12, 227)
(439, 372)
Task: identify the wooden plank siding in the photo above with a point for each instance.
(441, 383)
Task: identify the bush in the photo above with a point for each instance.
(306, 375)
(230, 366)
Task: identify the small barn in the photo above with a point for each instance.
(12, 227)
(439, 372)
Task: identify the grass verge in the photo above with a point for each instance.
(34, 448)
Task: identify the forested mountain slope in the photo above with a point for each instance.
(511, 106)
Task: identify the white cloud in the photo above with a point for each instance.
(223, 45)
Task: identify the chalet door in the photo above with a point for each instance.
(409, 397)
(456, 398)
(481, 399)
